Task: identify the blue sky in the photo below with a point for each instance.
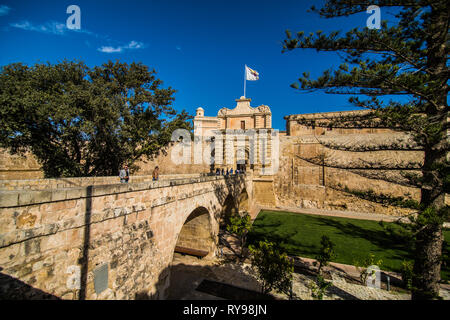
(197, 47)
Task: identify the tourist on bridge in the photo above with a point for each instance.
(124, 174)
(155, 174)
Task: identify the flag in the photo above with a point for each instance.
(251, 74)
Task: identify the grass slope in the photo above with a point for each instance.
(299, 234)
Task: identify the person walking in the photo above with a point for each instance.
(155, 174)
(124, 174)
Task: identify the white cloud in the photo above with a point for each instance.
(133, 45)
(4, 10)
(110, 49)
(51, 27)
(57, 28)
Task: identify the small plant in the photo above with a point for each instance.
(407, 274)
(273, 267)
(326, 252)
(362, 266)
(319, 287)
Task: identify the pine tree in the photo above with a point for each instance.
(408, 59)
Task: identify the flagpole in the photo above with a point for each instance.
(245, 78)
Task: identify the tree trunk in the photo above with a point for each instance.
(427, 264)
(428, 246)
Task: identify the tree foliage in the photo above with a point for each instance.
(273, 267)
(408, 59)
(82, 121)
(240, 226)
(326, 252)
(318, 287)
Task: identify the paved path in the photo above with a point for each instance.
(337, 213)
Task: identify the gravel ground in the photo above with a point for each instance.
(188, 272)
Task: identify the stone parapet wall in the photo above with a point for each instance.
(32, 197)
(43, 184)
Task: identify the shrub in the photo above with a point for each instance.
(362, 266)
(407, 274)
(326, 252)
(273, 267)
(319, 287)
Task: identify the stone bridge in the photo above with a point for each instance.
(76, 239)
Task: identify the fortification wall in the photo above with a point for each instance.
(19, 167)
(15, 167)
(302, 182)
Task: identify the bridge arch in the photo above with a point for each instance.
(229, 209)
(197, 236)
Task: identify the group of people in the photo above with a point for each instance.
(228, 172)
(124, 174)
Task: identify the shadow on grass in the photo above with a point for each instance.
(283, 239)
(380, 238)
(392, 250)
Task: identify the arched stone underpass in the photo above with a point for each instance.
(196, 240)
(196, 237)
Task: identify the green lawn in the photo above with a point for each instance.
(300, 234)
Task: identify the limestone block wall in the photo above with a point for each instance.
(19, 167)
(168, 166)
(264, 191)
(14, 167)
(102, 241)
(305, 184)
